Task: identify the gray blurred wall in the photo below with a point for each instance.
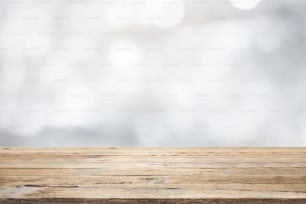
(152, 73)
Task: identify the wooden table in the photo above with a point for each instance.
(153, 175)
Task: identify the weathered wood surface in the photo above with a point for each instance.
(153, 175)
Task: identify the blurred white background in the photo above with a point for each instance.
(152, 72)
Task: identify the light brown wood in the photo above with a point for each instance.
(153, 175)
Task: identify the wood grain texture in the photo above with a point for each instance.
(153, 175)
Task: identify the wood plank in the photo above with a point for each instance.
(152, 175)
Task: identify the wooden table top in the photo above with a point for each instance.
(153, 175)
